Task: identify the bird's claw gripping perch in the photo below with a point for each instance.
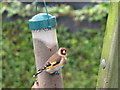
(57, 73)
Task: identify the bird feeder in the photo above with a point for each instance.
(43, 27)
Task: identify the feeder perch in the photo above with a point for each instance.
(45, 45)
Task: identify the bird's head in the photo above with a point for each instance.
(62, 51)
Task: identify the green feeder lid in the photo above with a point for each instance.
(42, 21)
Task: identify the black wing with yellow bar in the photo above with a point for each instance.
(49, 65)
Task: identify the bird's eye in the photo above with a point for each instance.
(63, 52)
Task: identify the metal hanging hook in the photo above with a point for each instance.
(47, 13)
(36, 11)
(45, 6)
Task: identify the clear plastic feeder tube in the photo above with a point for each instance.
(48, 37)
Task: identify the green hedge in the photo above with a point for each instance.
(84, 48)
(98, 12)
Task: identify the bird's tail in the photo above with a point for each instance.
(38, 72)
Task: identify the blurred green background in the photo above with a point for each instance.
(84, 45)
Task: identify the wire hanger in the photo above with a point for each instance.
(36, 11)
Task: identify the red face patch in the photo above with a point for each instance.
(63, 48)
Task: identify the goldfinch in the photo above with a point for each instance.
(36, 84)
(55, 62)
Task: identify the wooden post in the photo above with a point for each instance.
(45, 45)
(108, 71)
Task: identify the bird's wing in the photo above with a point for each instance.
(52, 61)
(58, 65)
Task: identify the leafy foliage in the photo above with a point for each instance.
(17, 55)
(98, 12)
(84, 49)
(92, 13)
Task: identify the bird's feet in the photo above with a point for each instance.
(57, 73)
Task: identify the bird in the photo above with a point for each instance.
(55, 62)
(36, 84)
